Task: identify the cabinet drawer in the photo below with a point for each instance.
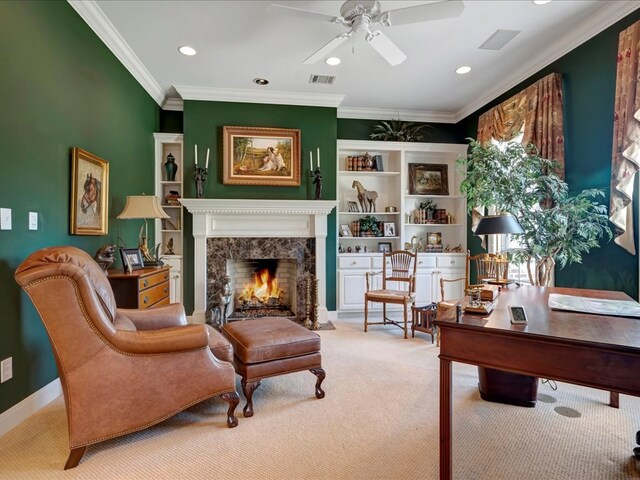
(451, 262)
(354, 263)
(153, 295)
(151, 280)
(426, 262)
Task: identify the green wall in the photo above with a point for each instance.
(589, 79)
(61, 88)
(203, 122)
(358, 129)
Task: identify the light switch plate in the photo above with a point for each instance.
(5, 219)
(33, 220)
(6, 369)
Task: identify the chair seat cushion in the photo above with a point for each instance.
(387, 295)
(219, 345)
(270, 338)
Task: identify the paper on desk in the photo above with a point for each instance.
(598, 306)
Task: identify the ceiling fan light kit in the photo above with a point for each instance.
(362, 16)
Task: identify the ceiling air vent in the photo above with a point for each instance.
(322, 79)
(499, 39)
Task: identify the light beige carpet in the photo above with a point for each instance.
(379, 420)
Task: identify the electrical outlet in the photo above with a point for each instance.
(6, 369)
(5, 219)
(33, 220)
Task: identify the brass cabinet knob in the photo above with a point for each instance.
(145, 300)
(145, 282)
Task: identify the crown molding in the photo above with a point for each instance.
(175, 104)
(262, 96)
(389, 114)
(91, 13)
(609, 14)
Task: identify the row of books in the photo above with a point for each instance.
(364, 163)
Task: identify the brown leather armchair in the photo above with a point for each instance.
(121, 370)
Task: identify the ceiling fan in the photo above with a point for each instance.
(364, 15)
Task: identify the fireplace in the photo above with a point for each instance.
(227, 231)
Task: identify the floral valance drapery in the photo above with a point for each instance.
(626, 137)
(539, 108)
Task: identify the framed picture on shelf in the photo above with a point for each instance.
(131, 259)
(384, 247)
(89, 194)
(261, 156)
(389, 229)
(434, 238)
(345, 231)
(353, 206)
(428, 179)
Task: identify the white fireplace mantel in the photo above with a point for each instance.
(254, 219)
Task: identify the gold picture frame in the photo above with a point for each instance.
(428, 179)
(89, 194)
(261, 156)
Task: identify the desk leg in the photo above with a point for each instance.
(445, 419)
(614, 399)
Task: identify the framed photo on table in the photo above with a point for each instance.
(131, 259)
(428, 179)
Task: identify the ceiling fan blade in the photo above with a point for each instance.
(386, 48)
(329, 47)
(424, 13)
(300, 13)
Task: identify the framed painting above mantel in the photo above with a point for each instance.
(261, 156)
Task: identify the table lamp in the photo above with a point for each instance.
(499, 225)
(144, 207)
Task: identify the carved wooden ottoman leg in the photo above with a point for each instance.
(75, 455)
(232, 399)
(248, 389)
(319, 372)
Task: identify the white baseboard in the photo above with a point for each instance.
(30, 405)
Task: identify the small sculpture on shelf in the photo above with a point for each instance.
(367, 198)
(170, 168)
(168, 249)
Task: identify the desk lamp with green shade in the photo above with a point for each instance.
(144, 207)
(499, 225)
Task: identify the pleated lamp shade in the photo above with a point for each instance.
(143, 206)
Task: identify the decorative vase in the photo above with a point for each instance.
(170, 168)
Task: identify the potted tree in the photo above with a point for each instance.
(558, 228)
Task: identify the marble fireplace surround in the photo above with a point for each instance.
(256, 218)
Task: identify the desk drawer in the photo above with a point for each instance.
(153, 295)
(152, 280)
(426, 261)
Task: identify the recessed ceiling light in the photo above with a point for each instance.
(462, 70)
(332, 61)
(185, 50)
(260, 81)
(540, 2)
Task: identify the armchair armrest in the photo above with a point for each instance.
(159, 317)
(164, 340)
(367, 274)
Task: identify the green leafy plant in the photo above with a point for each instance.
(558, 228)
(370, 224)
(428, 204)
(398, 131)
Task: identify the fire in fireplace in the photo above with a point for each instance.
(263, 287)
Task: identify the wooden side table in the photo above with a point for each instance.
(144, 288)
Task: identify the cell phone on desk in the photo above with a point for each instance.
(517, 314)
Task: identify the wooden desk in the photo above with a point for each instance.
(144, 288)
(591, 350)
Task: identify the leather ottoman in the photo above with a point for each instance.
(271, 346)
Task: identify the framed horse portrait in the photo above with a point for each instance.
(261, 156)
(89, 194)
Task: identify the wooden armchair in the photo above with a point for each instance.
(399, 267)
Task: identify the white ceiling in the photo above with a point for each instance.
(238, 41)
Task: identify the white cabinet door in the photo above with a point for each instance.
(352, 286)
(424, 287)
(452, 290)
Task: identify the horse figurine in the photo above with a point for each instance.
(367, 198)
(91, 197)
